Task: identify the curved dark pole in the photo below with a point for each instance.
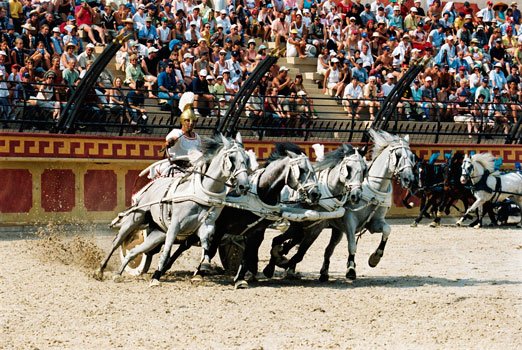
(228, 123)
(65, 123)
(391, 101)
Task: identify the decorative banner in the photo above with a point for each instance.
(71, 178)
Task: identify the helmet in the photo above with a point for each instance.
(188, 113)
(186, 105)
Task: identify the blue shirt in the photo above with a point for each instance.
(167, 81)
(437, 38)
(148, 33)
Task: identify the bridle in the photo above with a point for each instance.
(403, 162)
(231, 177)
(355, 183)
(294, 170)
(468, 164)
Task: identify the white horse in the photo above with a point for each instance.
(340, 174)
(486, 185)
(189, 205)
(391, 157)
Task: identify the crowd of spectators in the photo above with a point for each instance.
(362, 49)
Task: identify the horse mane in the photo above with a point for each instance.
(280, 151)
(381, 139)
(331, 159)
(487, 160)
(457, 157)
(210, 146)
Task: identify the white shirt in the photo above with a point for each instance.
(353, 92)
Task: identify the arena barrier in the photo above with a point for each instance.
(88, 179)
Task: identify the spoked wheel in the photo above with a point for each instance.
(141, 263)
(231, 252)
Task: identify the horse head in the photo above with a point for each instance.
(352, 173)
(301, 177)
(243, 165)
(235, 163)
(404, 161)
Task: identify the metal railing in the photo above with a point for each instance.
(268, 118)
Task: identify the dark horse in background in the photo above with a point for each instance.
(439, 188)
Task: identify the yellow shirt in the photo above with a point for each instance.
(16, 8)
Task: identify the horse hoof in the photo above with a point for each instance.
(117, 278)
(434, 224)
(196, 278)
(279, 259)
(268, 271)
(323, 278)
(292, 275)
(154, 283)
(374, 260)
(458, 223)
(413, 224)
(242, 284)
(205, 267)
(98, 275)
(477, 226)
(351, 274)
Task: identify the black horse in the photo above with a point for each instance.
(439, 189)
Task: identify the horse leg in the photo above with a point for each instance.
(351, 228)
(309, 238)
(375, 258)
(422, 211)
(478, 222)
(153, 239)
(172, 232)
(478, 203)
(281, 245)
(250, 257)
(335, 238)
(436, 212)
(129, 225)
(184, 246)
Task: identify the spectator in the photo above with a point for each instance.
(429, 99)
(295, 47)
(148, 32)
(370, 96)
(360, 73)
(168, 88)
(5, 107)
(48, 97)
(135, 102)
(389, 85)
(352, 94)
(497, 77)
(332, 78)
(498, 112)
(134, 73)
(87, 55)
(84, 14)
(282, 82)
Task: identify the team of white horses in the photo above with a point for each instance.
(348, 194)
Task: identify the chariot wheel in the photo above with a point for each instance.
(231, 251)
(141, 263)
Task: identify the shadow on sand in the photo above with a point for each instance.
(310, 280)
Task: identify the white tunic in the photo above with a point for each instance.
(183, 144)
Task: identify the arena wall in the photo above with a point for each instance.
(77, 179)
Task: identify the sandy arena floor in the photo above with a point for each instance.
(445, 288)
